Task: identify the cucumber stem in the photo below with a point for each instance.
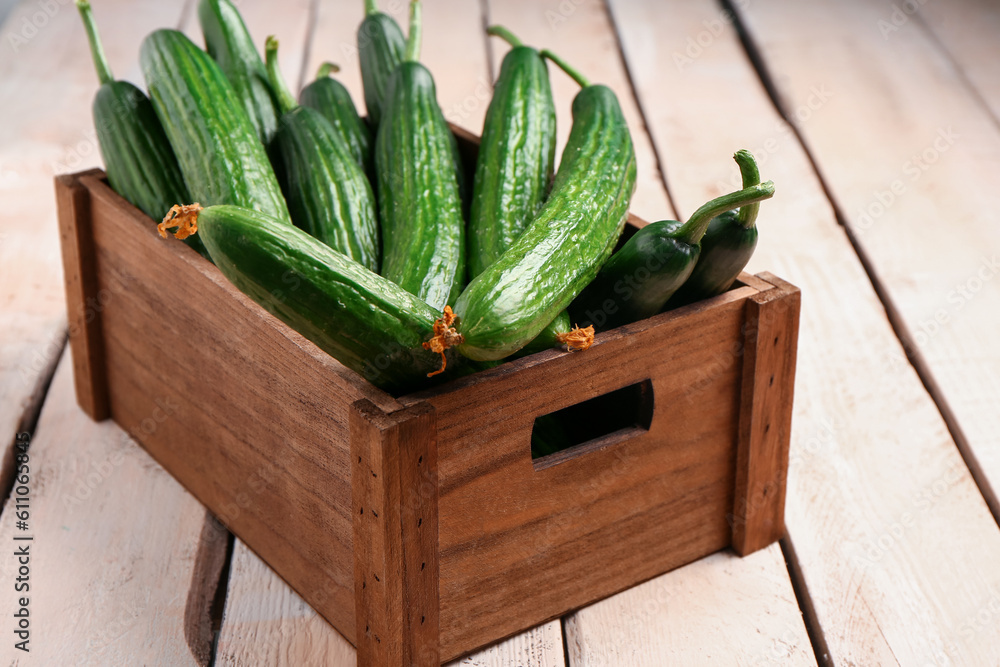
(326, 69)
(412, 54)
(751, 176)
(104, 74)
(692, 230)
(286, 101)
(371, 7)
(566, 67)
(504, 34)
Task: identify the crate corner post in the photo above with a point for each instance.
(394, 486)
(769, 354)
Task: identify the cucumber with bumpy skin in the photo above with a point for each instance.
(509, 303)
(331, 98)
(328, 194)
(217, 148)
(380, 50)
(419, 202)
(229, 43)
(366, 322)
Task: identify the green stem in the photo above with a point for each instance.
(751, 176)
(326, 69)
(286, 101)
(100, 61)
(504, 34)
(564, 66)
(412, 54)
(371, 7)
(692, 230)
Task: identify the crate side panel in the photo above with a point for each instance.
(520, 546)
(245, 416)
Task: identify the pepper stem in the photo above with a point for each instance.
(751, 176)
(413, 39)
(97, 51)
(286, 101)
(371, 7)
(326, 69)
(566, 67)
(504, 34)
(692, 230)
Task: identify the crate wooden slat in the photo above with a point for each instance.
(271, 430)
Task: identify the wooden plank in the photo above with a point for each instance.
(395, 508)
(936, 163)
(265, 622)
(896, 545)
(453, 49)
(968, 30)
(267, 475)
(664, 621)
(581, 32)
(122, 562)
(771, 342)
(48, 82)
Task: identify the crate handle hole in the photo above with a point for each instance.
(593, 424)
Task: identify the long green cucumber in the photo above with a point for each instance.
(331, 98)
(366, 322)
(509, 303)
(380, 50)
(229, 43)
(140, 164)
(727, 246)
(222, 159)
(419, 204)
(328, 195)
(516, 155)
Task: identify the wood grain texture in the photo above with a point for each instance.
(394, 486)
(582, 33)
(935, 168)
(118, 558)
(513, 552)
(895, 543)
(664, 621)
(47, 81)
(967, 29)
(267, 476)
(771, 335)
(266, 622)
(82, 296)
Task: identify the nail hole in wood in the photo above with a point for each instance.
(376, 577)
(423, 565)
(374, 514)
(419, 521)
(359, 459)
(767, 427)
(364, 585)
(373, 474)
(362, 511)
(776, 340)
(420, 459)
(421, 620)
(377, 640)
(366, 629)
(770, 383)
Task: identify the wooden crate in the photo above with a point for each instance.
(420, 526)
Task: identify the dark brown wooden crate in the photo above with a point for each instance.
(420, 526)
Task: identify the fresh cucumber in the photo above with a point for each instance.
(380, 50)
(419, 202)
(229, 43)
(561, 251)
(220, 155)
(366, 322)
(328, 195)
(331, 98)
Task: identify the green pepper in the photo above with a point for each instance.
(727, 246)
(638, 280)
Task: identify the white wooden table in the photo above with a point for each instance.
(880, 125)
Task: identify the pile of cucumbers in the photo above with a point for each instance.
(366, 235)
